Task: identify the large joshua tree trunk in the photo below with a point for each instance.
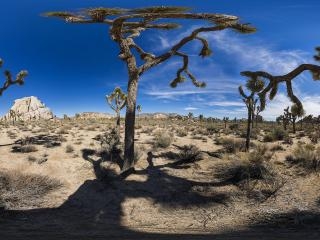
(294, 125)
(118, 123)
(249, 122)
(130, 123)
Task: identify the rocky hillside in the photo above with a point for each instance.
(93, 115)
(28, 108)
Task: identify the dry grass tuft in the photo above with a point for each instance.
(19, 190)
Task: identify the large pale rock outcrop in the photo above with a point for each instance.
(28, 108)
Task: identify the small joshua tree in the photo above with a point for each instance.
(284, 119)
(225, 120)
(291, 116)
(117, 101)
(254, 85)
(255, 113)
(9, 81)
(296, 112)
(127, 25)
(139, 109)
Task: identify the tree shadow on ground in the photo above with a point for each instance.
(95, 210)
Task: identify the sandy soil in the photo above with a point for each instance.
(157, 202)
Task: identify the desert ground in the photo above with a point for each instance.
(60, 179)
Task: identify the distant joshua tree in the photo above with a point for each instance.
(225, 120)
(290, 116)
(127, 25)
(117, 101)
(254, 85)
(139, 109)
(9, 81)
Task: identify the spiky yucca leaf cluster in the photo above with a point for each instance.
(99, 14)
(177, 80)
(255, 84)
(119, 97)
(297, 111)
(161, 9)
(244, 28)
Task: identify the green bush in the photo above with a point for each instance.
(277, 134)
(162, 139)
(231, 145)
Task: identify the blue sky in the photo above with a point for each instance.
(72, 67)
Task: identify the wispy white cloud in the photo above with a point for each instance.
(191, 109)
(257, 55)
(226, 103)
(311, 105)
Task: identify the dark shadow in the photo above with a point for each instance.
(95, 211)
(48, 141)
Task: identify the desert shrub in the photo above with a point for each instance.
(234, 126)
(110, 144)
(69, 149)
(189, 153)
(181, 132)
(276, 147)
(268, 138)
(147, 130)
(28, 148)
(305, 156)
(252, 172)
(231, 145)
(314, 137)
(63, 130)
(19, 190)
(162, 139)
(211, 129)
(277, 134)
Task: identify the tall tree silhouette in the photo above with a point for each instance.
(127, 25)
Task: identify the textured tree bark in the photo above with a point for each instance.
(249, 127)
(118, 123)
(130, 123)
(294, 125)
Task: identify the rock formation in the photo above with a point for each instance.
(26, 109)
(93, 115)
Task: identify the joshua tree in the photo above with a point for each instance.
(127, 25)
(255, 113)
(139, 109)
(254, 85)
(296, 112)
(291, 116)
(9, 81)
(284, 119)
(117, 100)
(190, 115)
(201, 117)
(225, 120)
(273, 82)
